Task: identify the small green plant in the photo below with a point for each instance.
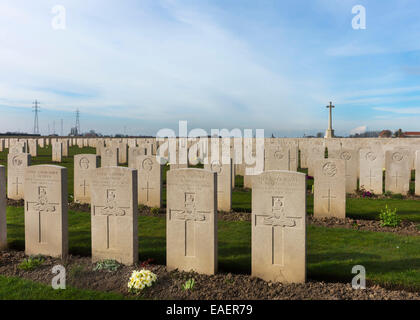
(155, 211)
(76, 271)
(389, 217)
(189, 284)
(142, 207)
(31, 263)
(109, 265)
(387, 193)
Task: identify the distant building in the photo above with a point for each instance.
(385, 134)
(91, 134)
(367, 134)
(411, 134)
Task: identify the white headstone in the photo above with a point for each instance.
(224, 184)
(371, 170)
(149, 181)
(397, 171)
(281, 157)
(191, 227)
(109, 157)
(16, 165)
(83, 165)
(351, 164)
(57, 151)
(330, 189)
(114, 214)
(133, 153)
(46, 205)
(122, 152)
(33, 147)
(279, 226)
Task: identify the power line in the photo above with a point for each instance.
(36, 109)
(78, 132)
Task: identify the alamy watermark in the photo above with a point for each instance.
(58, 22)
(220, 145)
(359, 20)
(359, 281)
(59, 281)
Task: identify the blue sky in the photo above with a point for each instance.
(139, 66)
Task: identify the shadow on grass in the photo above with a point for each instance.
(331, 257)
(391, 274)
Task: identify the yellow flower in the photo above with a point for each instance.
(141, 279)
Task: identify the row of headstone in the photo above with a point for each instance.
(279, 155)
(306, 146)
(278, 219)
(368, 166)
(278, 224)
(331, 182)
(149, 179)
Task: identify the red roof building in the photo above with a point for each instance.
(411, 134)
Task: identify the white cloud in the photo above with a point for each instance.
(184, 68)
(354, 49)
(413, 110)
(157, 64)
(358, 130)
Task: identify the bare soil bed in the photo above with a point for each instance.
(221, 286)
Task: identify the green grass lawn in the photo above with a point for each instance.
(391, 260)
(370, 208)
(13, 288)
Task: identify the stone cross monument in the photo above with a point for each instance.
(330, 132)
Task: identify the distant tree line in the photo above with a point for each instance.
(21, 134)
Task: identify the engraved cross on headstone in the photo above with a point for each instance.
(370, 178)
(190, 216)
(84, 185)
(109, 210)
(329, 197)
(396, 176)
(41, 206)
(347, 174)
(278, 220)
(147, 190)
(17, 183)
(292, 158)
